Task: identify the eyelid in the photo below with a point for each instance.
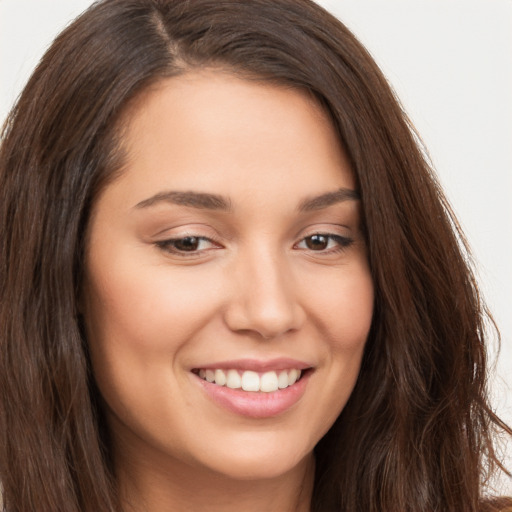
(175, 239)
(342, 241)
(167, 245)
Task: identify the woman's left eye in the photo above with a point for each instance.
(324, 242)
(186, 244)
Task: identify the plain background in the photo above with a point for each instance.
(450, 63)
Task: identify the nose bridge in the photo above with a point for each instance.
(266, 299)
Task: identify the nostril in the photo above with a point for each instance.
(265, 321)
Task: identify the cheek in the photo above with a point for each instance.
(140, 319)
(340, 315)
(146, 306)
(343, 307)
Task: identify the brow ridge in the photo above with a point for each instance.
(328, 199)
(201, 200)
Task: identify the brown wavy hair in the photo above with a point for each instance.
(417, 433)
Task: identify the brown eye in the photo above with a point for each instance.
(187, 244)
(325, 243)
(317, 242)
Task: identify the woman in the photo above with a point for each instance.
(229, 278)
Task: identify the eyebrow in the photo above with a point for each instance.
(328, 199)
(206, 201)
(199, 200)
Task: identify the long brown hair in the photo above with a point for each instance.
(417, 433)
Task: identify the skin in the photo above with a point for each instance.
(255, 286)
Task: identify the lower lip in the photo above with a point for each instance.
(256, 404)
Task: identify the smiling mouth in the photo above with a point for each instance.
(266, 382)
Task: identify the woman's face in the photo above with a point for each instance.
(229, 248)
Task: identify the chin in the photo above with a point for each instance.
(260, 459)
(258, 469)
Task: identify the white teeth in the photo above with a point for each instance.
(233, 381)
(267, 382)
(250, 381)
(220, 377)
(293, 375)
(282, 380)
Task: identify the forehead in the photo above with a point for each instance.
(216, 131)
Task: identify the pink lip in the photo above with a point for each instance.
(256, 404)
(256, 365)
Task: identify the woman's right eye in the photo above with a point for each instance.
(186, 245)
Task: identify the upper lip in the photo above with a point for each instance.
(257, 365)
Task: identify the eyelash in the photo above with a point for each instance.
(170, 245)
(341, 244)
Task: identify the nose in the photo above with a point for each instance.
(265, 301)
